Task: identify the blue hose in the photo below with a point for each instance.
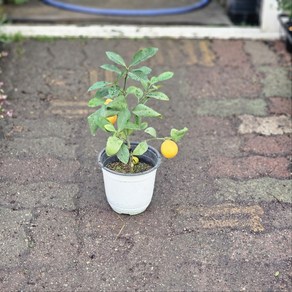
(127, 12)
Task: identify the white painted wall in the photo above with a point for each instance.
(268, 17)
(269, 30)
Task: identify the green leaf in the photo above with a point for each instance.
(102, 92)
(143, 126)
(177, 135)
(151, 131)
(154, 80)
(98, 85)
(107, 112)
(135, 90)
(114, 91)
(96, 101)
(116, 58)
(165, 76)
(118, 103)
(113, 145)
(143, 55)
(123, 154)
(109, 127)
(132, 126)
(141, 110)
(146, 70)
(144, 84)
(158, 95)
(96, 121)
(141, 148)
(93, 124)
(138, 76)
(112, 68)
(123, 117)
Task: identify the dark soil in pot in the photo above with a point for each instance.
(125, 168)
(149, 160)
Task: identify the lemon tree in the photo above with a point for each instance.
(115, 116)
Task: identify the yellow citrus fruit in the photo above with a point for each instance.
(108, 100)
(135, 160)
(169, 149)
(114, 118)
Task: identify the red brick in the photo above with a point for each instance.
(280, 105)
(250, 167)
(233, 56)
(217, 82)
(37, 170)
(274, 145)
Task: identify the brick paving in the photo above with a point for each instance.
(220, 219)
(280, 105)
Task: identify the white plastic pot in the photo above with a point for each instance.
(130, 193)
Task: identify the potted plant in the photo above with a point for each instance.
(285, 19)
(128, 167)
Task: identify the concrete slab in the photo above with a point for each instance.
(15, 240)
(274, 125)
(39, 195)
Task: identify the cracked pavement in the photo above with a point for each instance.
(220, 218)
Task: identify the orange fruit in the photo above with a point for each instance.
(114, 118)
(169, 149)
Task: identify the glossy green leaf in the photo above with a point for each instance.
(146, 70)
(135, 90)
(123, 154)
(105, 111)
(138, 76)
(143, 55)
(177, 135)
(141, 148)
(96, 101)
(114, 91)
(116, 58)
(102, 92)
(154, 80)
(123, 117)
(109, 127)
(144, 84)
(112, 68)
(132, 126)
(118, 103)
(158, 95)
(165, 76)
(113, 145)
(151, 131)
(143, 126)
(98, 85)
(95, 121)
(141, 110)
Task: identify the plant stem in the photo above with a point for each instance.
(131, 164)
(151, 139)
(125, 81)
